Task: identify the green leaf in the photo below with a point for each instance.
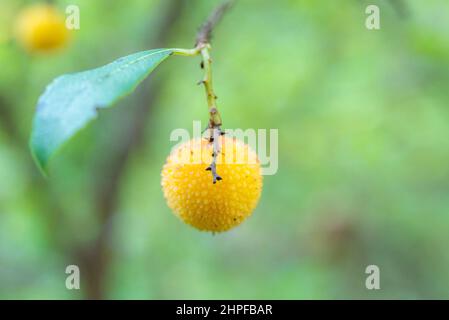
(71, 101)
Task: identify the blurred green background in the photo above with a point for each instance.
(363, 120)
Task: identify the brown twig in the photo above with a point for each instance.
(204, 34)
(203, 39)
(95, 256)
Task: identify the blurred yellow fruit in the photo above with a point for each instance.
(41, 28)
(189, 190)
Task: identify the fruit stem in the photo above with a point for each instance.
(203, 47)
(214, 115)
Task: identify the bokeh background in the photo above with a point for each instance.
(363, 120)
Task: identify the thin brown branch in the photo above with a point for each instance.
(202, 41)
(204, 35)
(95, 257)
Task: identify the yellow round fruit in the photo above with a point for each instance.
(41, 28)
(190, 192)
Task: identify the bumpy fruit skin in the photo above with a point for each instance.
(41, 28)
(189, 190)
